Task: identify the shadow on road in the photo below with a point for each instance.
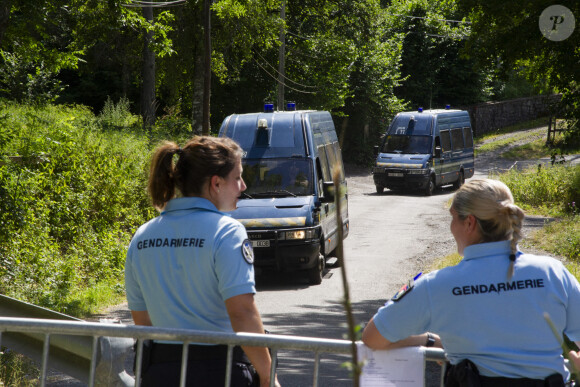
(445, 190)
(324, 320)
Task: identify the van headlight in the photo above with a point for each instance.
(298, 234)
(422, 171)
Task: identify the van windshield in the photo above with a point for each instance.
(414, 124)
(407, 144)
(278, 177)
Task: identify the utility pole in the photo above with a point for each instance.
(207, 67)
(281, 56)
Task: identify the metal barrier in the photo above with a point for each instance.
(71, 331)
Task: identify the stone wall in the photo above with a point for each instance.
(489, 116)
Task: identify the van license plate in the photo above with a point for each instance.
(265, 243)
(396, 174)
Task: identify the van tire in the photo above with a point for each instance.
(315, 274)
(430, 187)
(460, 180)
(380, 189)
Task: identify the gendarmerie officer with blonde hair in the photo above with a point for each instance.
(487, 312)
(192, 266)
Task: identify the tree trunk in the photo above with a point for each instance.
(5, 6)
(198, 81)
(197, 105)
(148, 74)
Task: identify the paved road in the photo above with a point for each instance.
(392, 237)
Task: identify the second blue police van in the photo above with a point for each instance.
(288, 208)
(425, 150)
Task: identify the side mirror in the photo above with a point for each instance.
(437, 152)
(327, 192)
(376, 149)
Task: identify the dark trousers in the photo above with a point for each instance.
(206, 366)
(466, 374)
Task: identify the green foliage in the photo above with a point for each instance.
(25, 81)
(117, 115)
(570, 109)
(553, 188)
(72, 195)
(435, 73)
(506, 35)
(17, 370)
(172, 125)
(562, 237)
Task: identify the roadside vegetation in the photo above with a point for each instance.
(73, 192)
(72, 189)
(551, 191)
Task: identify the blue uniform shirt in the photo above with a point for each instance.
(182, 265)
(497, 323)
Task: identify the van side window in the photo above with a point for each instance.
(320, 176)
(331, 153)
(323, 161)
(457, 137)
(445, 141)
(468, 137)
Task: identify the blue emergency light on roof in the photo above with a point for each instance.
(420, 110)
(447, 107)
(268, 107)
(291, 106)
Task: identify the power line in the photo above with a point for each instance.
(154, 4)
(283, 76)
(276, 79)
(428, 18)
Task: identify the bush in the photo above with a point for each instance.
(72, 196)
(552, 189)
(555, 191)
(117, 115)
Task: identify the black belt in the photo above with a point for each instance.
(555, 380)
(466, 374)
(168, 353)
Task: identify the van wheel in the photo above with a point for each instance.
(430, 187)
(380, 189)
(315, 274)
(460, 180)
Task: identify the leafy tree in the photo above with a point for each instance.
(507, 34)
(35, 47)
(435, 73)
(91, 47)
(339, 57)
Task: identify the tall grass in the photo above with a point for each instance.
(549, 190)
(72, 195)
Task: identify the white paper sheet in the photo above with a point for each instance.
(398, 367)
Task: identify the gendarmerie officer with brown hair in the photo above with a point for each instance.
(192, 266)
(488, 311)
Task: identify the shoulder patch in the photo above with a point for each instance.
(248, 251)
(405, 289)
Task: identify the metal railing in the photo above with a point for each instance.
(54, 336)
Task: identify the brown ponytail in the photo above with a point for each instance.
(200, 159)
(161, 186)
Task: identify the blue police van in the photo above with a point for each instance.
(424, 150)
(288, 208)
